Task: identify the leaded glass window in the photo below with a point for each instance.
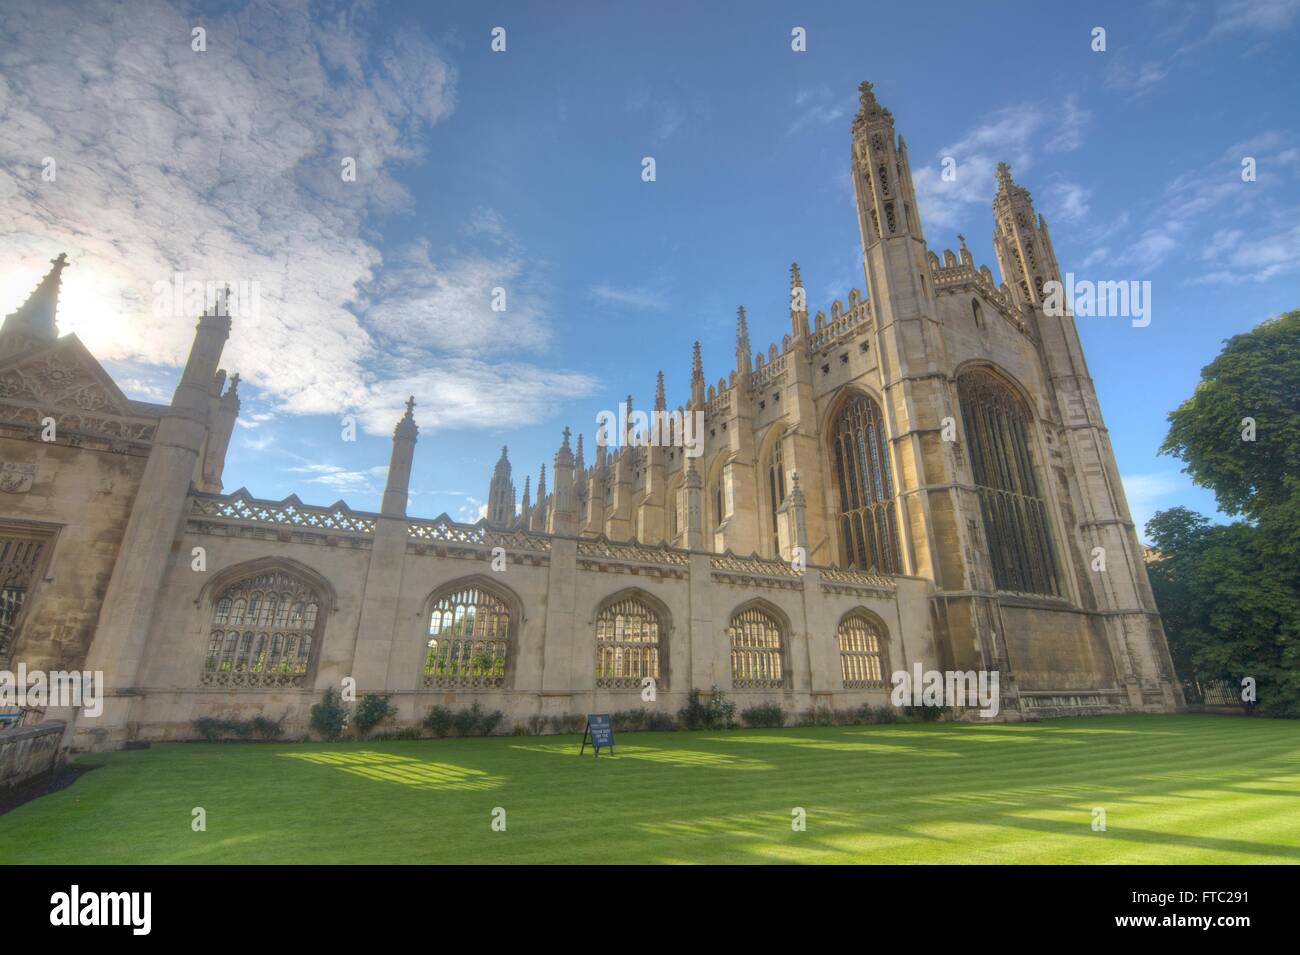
(627, 643)
(776, 492)
(469, 639)
(264, 629)
(868, 525)
(21, 559)
(862, 662)
(1015, 517)
(756, 650)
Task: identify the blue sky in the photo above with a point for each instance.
(522, 170)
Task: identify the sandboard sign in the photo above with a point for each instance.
(601, 733)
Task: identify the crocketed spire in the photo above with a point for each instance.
(33, 322)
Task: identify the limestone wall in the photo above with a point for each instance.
(557, 585)
(83, 498)
(29, 751)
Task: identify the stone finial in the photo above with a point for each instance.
(869, 109)
(35, 318)
(697, 363)
(406, 428)
(661, 402)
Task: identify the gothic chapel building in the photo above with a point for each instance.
(933, 451)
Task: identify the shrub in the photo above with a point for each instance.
(264, 727)
(209, 727)
(536, 725)
(329, 717)
(628, 721)
(404, 733)
(695, 714)
(657, 722)
(718, 713)
(438, 721)
(817, 716)
(880, 714)
(488, 722)
(467, 721)
(568, 723)
(765, 714)
(926, 713)
(372, 709)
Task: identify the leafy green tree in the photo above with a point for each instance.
(1256, 377)
(1230, 594)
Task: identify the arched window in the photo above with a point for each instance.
(264, 629)
(22, 555)
(997, 427)
(868, 527)
(469, 638)
(776, 491)
(975, 313)
(627, 643)
(862, 661)
(756, 649)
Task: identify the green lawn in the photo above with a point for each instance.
(1183, 789)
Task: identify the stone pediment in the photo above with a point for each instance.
(63, 375)
(63, 380)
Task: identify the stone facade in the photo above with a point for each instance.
(924, 476)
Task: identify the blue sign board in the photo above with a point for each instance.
(601, 732)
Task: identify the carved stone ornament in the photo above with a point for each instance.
(16, 478)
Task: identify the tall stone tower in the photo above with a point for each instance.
(501, 493)
(916, 392)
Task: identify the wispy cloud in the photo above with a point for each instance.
(1148, 493)
(817, 107)
(1189, 209)
(1018, 135)
(638, 298)
(227, 165)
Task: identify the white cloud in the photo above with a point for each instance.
(1253, 16)
(1196, 198)
(1067, 201)
(226, 165)
(1148, 493)
(343, 479)
(1252, 260)
(816, 107)
(638, 298)
(1017, 135)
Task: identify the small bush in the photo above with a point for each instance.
(536, 725)
(329, 717)
(404, 733)
(488, 722)
(656, 722)
(466, 722)
(568, 723)
(263, 727)
(439, 720)
(926, 713)
(817, 716)
(209, 727)
(627, 721)
(372, 709)
(718, 713)
(764, 715)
